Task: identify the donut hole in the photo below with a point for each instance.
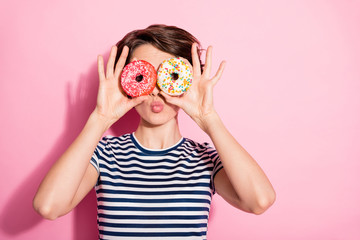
(174, 76)
(139, 78)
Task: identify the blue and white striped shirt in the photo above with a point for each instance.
(154, 194)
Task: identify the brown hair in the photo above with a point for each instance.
(169, 39)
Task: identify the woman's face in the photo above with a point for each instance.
(154, 110)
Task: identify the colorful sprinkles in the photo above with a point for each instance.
(165, 76)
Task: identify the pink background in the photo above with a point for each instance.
(289, 94)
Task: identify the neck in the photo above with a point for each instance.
(158, 136)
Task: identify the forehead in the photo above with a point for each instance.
(150, 54)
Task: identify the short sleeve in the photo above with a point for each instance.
(217, 165)
(98, 152)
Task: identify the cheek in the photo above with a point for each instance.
(171, 110)
(141, 108)
(174, 108)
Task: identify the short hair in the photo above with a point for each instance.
(169, 39)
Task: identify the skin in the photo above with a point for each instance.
(241, 182)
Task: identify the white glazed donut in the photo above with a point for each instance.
(174, 76)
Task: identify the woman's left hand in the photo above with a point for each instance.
(197, 101)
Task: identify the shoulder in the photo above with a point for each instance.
(203, 147)
(109, 139)
(114, 141)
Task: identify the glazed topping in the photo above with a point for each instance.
(174, 76)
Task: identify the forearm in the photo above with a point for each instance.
(59, 186)
(253, 188)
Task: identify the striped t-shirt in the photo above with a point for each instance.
(154, 194)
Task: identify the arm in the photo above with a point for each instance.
(72, 176)
(242, 182)
(59, 192)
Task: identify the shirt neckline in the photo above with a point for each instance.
(155, 151)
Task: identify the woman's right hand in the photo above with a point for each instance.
(112, 101)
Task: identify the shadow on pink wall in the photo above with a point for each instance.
(19, 215)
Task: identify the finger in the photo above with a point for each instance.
(121, 61)
(111, 61)
(219, 72)
(136, 101)
(100, 61)
(171, 99)
(195, 60)
(207, 67)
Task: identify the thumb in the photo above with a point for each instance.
(171, 99)
(136, 101)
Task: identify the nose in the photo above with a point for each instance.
(156, 91)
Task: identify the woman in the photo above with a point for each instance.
(154, 183)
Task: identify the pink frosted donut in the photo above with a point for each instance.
(138, 78)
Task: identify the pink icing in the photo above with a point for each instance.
(134, 88)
